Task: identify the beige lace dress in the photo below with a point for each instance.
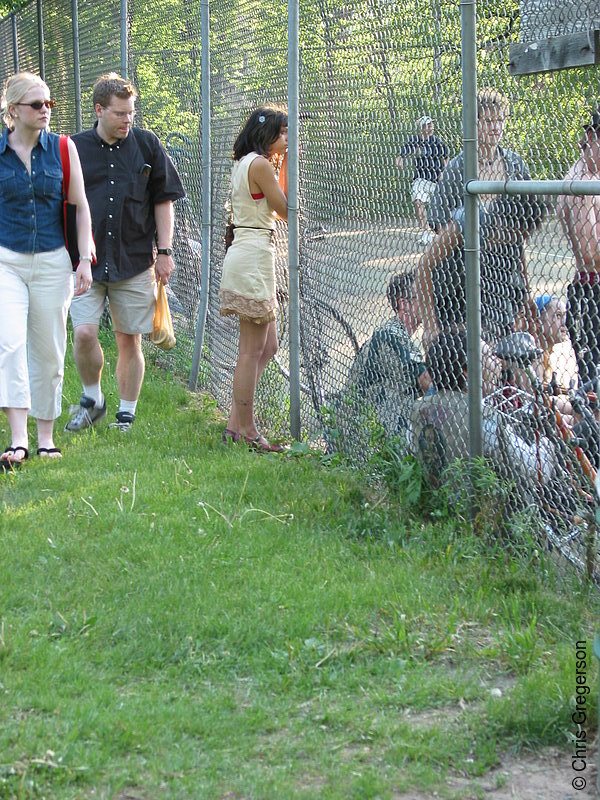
(248, 281)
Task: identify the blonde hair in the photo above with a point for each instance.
(15, 89)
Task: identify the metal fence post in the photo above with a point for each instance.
(469, 77)
(76, 70)
(13, 19)
(206, 194)
(293, 227)
(41, 45)
(124, 40)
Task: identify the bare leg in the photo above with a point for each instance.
(17, 419)
(45, 431)
(421, 215)
(89, 358)
(252, 347)
(270, 349)
(130, 365)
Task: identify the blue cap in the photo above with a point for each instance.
(542, 301)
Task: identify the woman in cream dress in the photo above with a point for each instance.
(248, 282)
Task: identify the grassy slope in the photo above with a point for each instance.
(190, 620)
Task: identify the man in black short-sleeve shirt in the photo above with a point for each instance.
(131, 184)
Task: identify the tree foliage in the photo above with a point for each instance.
(368, 70)
(8, 6)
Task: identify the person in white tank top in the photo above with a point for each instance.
(247, 287)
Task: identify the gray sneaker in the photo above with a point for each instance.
(124, 421)
(86, 415)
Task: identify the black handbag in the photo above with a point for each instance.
(229, 234)
(69, 210)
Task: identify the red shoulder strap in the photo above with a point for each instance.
(63, 144)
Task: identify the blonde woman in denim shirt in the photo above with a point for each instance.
(36, 283)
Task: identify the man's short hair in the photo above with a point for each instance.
(400, 287)
(446, 360)
(112, 85)
(492, 100)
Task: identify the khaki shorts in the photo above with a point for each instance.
(131, 303)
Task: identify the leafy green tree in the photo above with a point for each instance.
(8, 6)
(368, 70)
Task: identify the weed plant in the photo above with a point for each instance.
(185, 619)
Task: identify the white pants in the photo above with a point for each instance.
(422, 190)
(35, 294)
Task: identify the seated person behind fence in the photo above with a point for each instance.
(505, 289)
(552, 334)
(389, 373)
(439, 432)
(552, 331)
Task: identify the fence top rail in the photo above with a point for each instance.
(533, 187)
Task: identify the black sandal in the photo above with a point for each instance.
(48, 452)
(8, 464)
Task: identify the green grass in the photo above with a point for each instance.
(181, 619)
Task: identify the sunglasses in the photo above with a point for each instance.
(37, 104)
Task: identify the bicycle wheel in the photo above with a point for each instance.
(328, 350)
(568, 506)
(549, 481)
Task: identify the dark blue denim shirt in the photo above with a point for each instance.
(31, 205)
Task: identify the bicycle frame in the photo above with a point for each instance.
(566, 433)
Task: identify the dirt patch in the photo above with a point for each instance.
(131, 794)
(546, 775)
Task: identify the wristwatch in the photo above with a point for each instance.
(165, 251)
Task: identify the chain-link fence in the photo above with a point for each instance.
(383, 219)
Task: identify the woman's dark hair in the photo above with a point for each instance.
(260, 131)
(446, 360)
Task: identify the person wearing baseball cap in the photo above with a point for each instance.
(430, 155)
(423, 122)
(552, 330)
(580, 218)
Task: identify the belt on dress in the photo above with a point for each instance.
(253, 228)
